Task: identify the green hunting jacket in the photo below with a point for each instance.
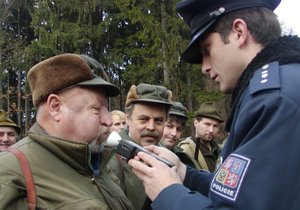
(62, 175)
(207, 160)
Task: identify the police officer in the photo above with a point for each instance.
(239, 44)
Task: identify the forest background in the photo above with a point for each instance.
(136, 41)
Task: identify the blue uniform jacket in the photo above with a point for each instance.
(261, 167)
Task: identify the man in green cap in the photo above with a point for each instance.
(201, 148)
(174, 126)
(146, 110)
(9, 131)
(72, 112)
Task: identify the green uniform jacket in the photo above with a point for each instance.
(207, 160)
(62, 175)
(132, 186)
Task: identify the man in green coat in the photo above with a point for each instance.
(71, 103)
(146, 111)
(201, 151)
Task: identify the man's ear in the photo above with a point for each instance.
(126, 118)
(54, 103)
(240, 30)
(195, 122)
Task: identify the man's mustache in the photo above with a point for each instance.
(153, 134)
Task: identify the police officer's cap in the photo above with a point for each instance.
(201, 14)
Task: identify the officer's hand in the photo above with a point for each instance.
(154, 174)
(170, 156)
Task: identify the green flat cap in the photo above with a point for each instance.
(178, 109)
(149, 93)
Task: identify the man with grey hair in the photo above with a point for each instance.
(146, 110)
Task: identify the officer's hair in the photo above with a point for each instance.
(262, 24)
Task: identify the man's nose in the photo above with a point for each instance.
(151, 125)
(4, 138)
(173, 131)
(122, 125)
(211, 129)
(105, 117)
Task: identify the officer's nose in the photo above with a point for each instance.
(206, 66)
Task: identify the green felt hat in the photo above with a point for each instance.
(209, 110)
(7, 122)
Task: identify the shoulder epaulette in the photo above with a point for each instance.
(265, 78)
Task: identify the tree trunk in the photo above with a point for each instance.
(163, 45)
(1, 76)
(189, 93)
(19, 104)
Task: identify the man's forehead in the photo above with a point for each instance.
(7, 129)
(174, 123)
(148, 107)
(100, 92)
(148, 114)
(209, 120)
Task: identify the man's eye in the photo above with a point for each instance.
(158, 122)
(143, 120)
(96, 109)
(168, 125)
(179, 129)
(205, 52)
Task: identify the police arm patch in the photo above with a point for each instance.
(229, 177)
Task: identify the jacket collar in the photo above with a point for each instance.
(285, 50)
(75, 154)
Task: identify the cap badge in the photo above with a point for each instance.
(217, 12)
